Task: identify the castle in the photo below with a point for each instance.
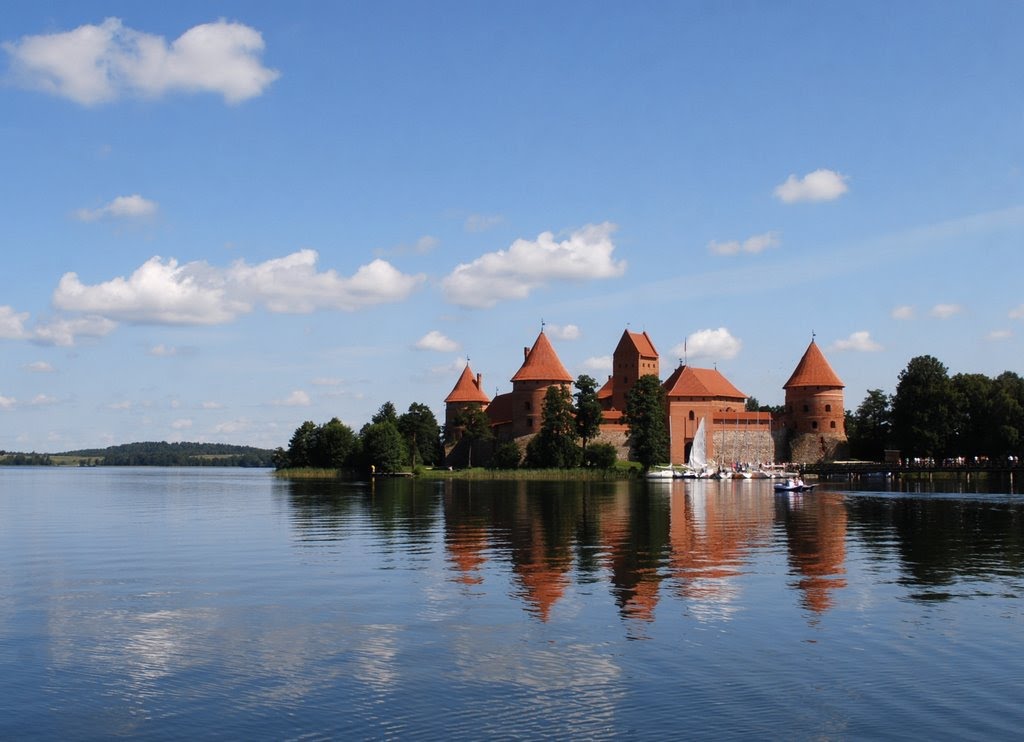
(811, 428)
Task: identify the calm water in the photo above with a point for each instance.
(180, 603)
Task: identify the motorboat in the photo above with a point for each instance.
(793, 485)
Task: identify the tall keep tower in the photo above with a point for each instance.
(815, 416)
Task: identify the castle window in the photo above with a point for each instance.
(814, 425)
(832, 424)
(529, 422)
(691, 415)
(526, 405)
(828, 408)
(806, 408)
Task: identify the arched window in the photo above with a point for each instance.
(814, 425)
(691, 415)
(828, 408)
(832, 424)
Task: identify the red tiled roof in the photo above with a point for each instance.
(641, 341)
(542, 363)
(499, 412)
(687, 381)
(813, 370)
(605, 391)
(466, 389)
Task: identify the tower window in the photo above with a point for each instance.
(529, 422)
(691, 415)
(814, 425)
(832, 424)
(828, 408)
(806, 408)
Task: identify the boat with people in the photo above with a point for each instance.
(793, 484)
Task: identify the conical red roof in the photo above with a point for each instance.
(467, 389)
(813, 370)
(687, 381)
(542, 363)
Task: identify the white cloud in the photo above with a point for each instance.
(163, 351)
(196, 293)
(903, 312)
(718, 344)
(455, 367)
(434, 340)
(757, 243)
(598, 363)
(7, 403)
(1015, 313)
(124, 405)
(945, 311)
(292, 284)
(512, 274)
(482, 222)
(39, 367)
(64, 331)
(12, 324)
(563, 332)
(43, 400)
(96, 64)
(997, 335)
(209, 405)
(122, 207)
(297, 398)
(820, 185)
(860, 341)
(181, 424)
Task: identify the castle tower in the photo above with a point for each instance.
(468, 392)
(634, 356)
(815, 416)
(541, 368)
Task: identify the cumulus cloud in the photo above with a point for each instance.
(860, 341)
(65, 331)
(327, 381)
(903, 312)
(563, 332)
(297, 398)
(122, 207)
(98, 64)
(12, 324)
(528, 264)
(997, 335)
(598, 363)
(7, 403)
(434, 340)
(757, 243)
(163, 351)
(39, 367)
(820, 185)
(210, 405)
(1015, 313)
(945, 311)
(164, 292)
(43, 400)
(718, 344)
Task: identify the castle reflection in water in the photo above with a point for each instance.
(690, 541)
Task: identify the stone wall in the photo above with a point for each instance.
(743, 446)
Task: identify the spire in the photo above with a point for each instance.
(542, 363)
(468, 388)
(813, 370)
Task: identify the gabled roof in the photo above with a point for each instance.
(687, 381)
(542, 363)
(640, 341)
(813, 370)
(467, 389)
(605, 391)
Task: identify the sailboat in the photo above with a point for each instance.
(697, 463)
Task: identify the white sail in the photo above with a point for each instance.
(699, 450)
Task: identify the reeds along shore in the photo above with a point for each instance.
(620, 472)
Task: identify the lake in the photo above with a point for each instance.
(227, 604)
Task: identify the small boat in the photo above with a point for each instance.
(660, 472)
(793, 485)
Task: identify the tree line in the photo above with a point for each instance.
(569, 424)
(938, 416)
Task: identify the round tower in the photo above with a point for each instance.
(815, 417)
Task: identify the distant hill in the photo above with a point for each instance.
(161, 453)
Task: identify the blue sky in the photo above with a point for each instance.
(222, 219)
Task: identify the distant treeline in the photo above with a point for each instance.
(25, 459)
(176, 454)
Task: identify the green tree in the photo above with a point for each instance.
(645, 415)
(473, 426)
(752, 405)
(870, 427)
(600, 456)
(507, 456)
(302, 445)
(422, 434)
(1007, 415)
(386, 414)
(588, 409)
(554, 447)
(335, 443)
(383, 447)
(922, 408)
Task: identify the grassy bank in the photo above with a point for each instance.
(622, 470)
